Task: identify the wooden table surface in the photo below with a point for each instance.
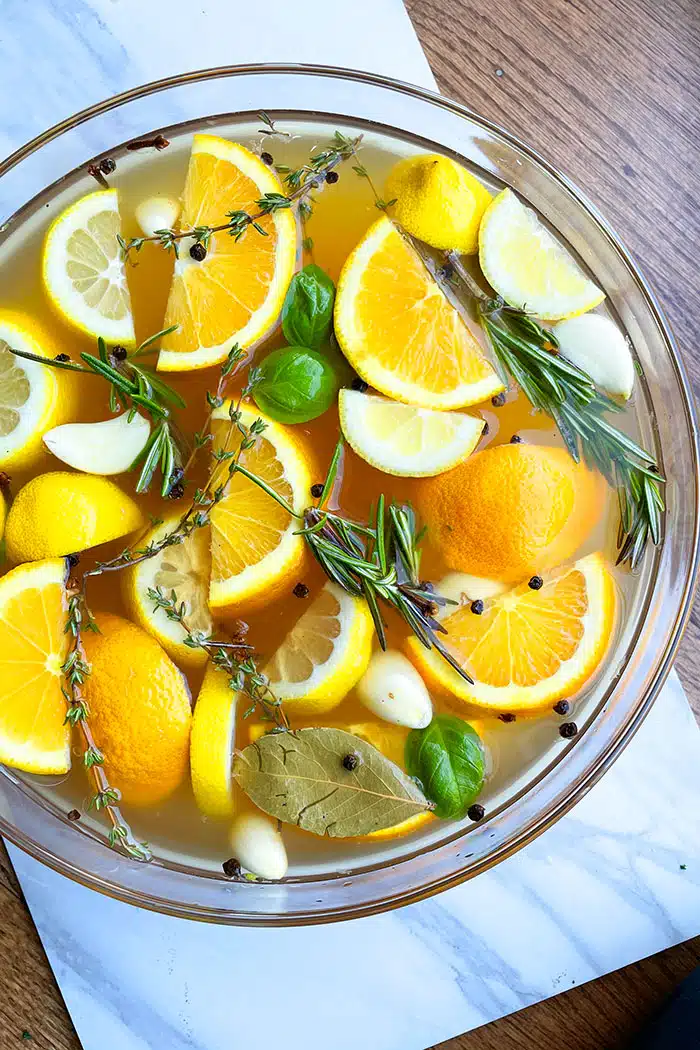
(609, 90)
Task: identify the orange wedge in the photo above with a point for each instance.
(34, 735)
(401, 333)
(255, 553)
(529, 648)
(235, 295)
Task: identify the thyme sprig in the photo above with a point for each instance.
(528, 353)
(242, 670)
(300, 183)
(134, 386)
(75, 671)
(379, 202)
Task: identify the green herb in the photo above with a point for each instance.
(307, 313)
(362, 173)
(448, 759)
(295, 385)
(302, 778)
(270, 126)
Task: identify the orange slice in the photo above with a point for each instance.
(235, 295)
(401, 333)
(529, 648)
(34, 735)
(255, 552)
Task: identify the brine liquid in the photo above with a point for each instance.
(176, 830)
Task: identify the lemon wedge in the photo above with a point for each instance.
(211, 745)
(83, 271)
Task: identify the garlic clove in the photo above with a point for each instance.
(109, 447)
(258, 846)
(597, 346)
(392, 689)
(157, 213)
(463, 588)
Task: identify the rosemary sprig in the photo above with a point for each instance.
(270, 126)
(243, 674)
(134, 386)
(300, 182)
(528, 353)
(75, 671)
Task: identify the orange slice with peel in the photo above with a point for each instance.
(529, 648)
(399, 330)
(235, 294)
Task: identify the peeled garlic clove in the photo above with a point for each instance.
(392, 689)
(258, 846)
(109, 447)
(597, 346)
(157, 213)
(463, 588)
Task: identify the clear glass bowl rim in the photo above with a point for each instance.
(664, 659)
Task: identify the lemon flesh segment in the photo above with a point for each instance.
(59, 513)
(83, 270)
(438, 201)
(324, 655)
(529, 648)
(528, 267)
(400, 332)
(254, 546)
(404, 440)
(236, 294)
(211, 745)
(34, 735)
(184, 568)
(32, 398)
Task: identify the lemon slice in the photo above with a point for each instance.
(529, 648)
(255, 550)
(211, 745)
(324, 655)
(401, 333)
(235, 294)
(34, 735)
(33, 398)
(183, 568)
(526, 265)
(404, 440)
(83, 271)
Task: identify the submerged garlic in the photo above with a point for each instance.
(597, 346)
(157, 213)
(392, 689)
(109, 447)
(258, 846)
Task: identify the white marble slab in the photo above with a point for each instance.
(617, 879)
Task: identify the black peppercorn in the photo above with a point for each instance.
(198, 252)
(317, 490)
(562, 707)
(301, 591)
(568, 729)
(535, 582)
(516, 440)
(74, 815)
(267, 158)
(62, 357)
(73, 560)
(477, 607)
(351, 761)
(232, 868)
(507, 717)
(108, 165)
(119, 353)
(359, 384)
(332, 177)
(176, 491)
(499, 400)
(476, 812)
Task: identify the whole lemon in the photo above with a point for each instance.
(511, 511)
(140, 711)
(60, 513)
(438, 201)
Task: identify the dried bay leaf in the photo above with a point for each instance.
(300, 778)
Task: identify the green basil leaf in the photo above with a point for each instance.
(448, 759)
(303, 778)
(307, 313)
(295, 385)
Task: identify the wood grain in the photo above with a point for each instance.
(609, 90)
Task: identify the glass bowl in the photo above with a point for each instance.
(654, 620)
